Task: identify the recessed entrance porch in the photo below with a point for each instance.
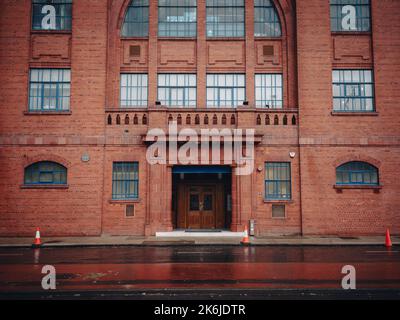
(201, 198)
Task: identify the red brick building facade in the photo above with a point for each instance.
(314, 131)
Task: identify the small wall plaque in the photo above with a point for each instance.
(85, 158)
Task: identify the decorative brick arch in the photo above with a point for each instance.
(29, 160)
(356, 157)
(285, 11)
(284, 8)
(123, 5)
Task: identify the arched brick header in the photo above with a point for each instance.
(286, 12)
(350, 158)
(121, 16)
(284, 8)
(28, 160)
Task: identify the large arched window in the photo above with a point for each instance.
(45, 172)
(357, 173)
(266, 19)
(136, 23)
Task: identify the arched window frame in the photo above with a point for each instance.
(140, 24)
(266, 19)
(357, 173)
(38, 168)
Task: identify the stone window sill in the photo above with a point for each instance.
(340, 188)
(47, 113)
(225, 38)
(354, 114)
(130, 201)
(45, 186)
(279, 219)
(51, 31)
(355, 186)
(135, 38)
(278, 201)
(173, 38)
(351, 33)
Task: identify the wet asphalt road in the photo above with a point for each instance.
(187, 272)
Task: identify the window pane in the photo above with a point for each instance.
(177, 90)
(225, 90)
(45, 173)
(49, 90)
(360, 9)
(177, 18)
(133, 90)
(278, 180)
(353, 90)
(51, 14)
(356, 173)
(225, 18)
(125, 180)
(136, 19)
(270, 91)
(266, 20)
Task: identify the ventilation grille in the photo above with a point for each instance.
(134, 51)
(130, 210)
(278, 211)
(268, 50)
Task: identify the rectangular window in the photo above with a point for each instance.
(225, 90)
(133, 90)
(136, 23)
(177, 90)
(269, 91)
(278, 181)
(350, 15)
(177, 18)
(51, 14)
(125, 180)
(353, 91)
(225, 18)
(49, 89)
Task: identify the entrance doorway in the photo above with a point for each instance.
(201, 209)
(201, 197)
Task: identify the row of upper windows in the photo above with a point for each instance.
(353, 90)
(278, 181)
(224, 18)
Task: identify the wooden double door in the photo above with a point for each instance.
(201, 207)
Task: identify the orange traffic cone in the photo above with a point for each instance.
(388, 242)
(245, 240)
(37, 242)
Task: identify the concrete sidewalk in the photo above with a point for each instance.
(215, 240)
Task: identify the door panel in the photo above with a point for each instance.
(208, 212)
(201, 209)
(194, 208)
